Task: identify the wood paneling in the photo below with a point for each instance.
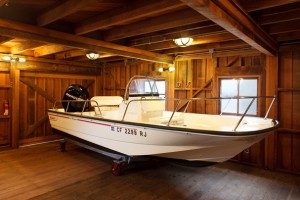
(15, 104)
(271, 89)
(115, 76)
(4, 119)
(288, 138)
(33, 110)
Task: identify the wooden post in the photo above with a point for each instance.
(15, 87)
(271, 89)
(170, 90)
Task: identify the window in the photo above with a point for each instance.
(161, 87)
(238, 88)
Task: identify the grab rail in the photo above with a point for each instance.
(178, 100)
(196, 99)
(78, 101)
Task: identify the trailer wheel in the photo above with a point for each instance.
(118, 168)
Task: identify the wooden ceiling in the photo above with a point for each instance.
(64, 30)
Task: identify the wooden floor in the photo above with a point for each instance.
(43, 172)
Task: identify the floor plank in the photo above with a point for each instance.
(42, 172)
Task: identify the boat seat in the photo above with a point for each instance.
(153, 106)
(106, 101)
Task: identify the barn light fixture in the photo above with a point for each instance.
(10, 58)
(92, 55)
(170, 69)
(183, 42)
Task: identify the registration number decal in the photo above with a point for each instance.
(129, 131)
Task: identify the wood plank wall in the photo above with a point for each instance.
(38, 91)
(4, 120)
(33, 87)
(288, 137)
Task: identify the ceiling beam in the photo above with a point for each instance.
(75, 53)
(4, 39)
(49, 49)
(283, 27)
(62, 10)
(25, 31)
(284, 16)
(288, 37)
(69, 54)
(24, 46)
(196, 31)
(263, 4)
(162, 22)
(62, 62)
(205, 47)
(218, 37)
(235, 20)
(126, 14)
(4, 49)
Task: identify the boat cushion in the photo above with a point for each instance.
(106, 100)
(151, 106)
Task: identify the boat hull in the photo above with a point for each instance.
(140, 139)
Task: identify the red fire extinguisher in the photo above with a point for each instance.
(5, 108)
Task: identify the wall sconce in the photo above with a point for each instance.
(183, 42)
(10, 58)
(92, 55)
(170, 69)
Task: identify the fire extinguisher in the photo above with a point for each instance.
(5, 108)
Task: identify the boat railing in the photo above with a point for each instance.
(152, 86)
(189, 100)
(177, 100)
(85, 105)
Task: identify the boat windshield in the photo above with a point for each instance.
(142, 87)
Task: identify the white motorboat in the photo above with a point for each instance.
(139, 125)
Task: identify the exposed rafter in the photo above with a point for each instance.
(19, 30)
(53, 61)
(233, 19)
(62, 10)
(125, 14)
(206, 47)
(25, 46)
(49, 49)
(285, 16)
(70, 54)
(200, 31)
(134, 29)
(258, 5)
(76, 53)
(4, 39)
(283, 27)
(162, 22)
(221, 37)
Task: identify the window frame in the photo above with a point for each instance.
(161, 95)
(258, 78)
